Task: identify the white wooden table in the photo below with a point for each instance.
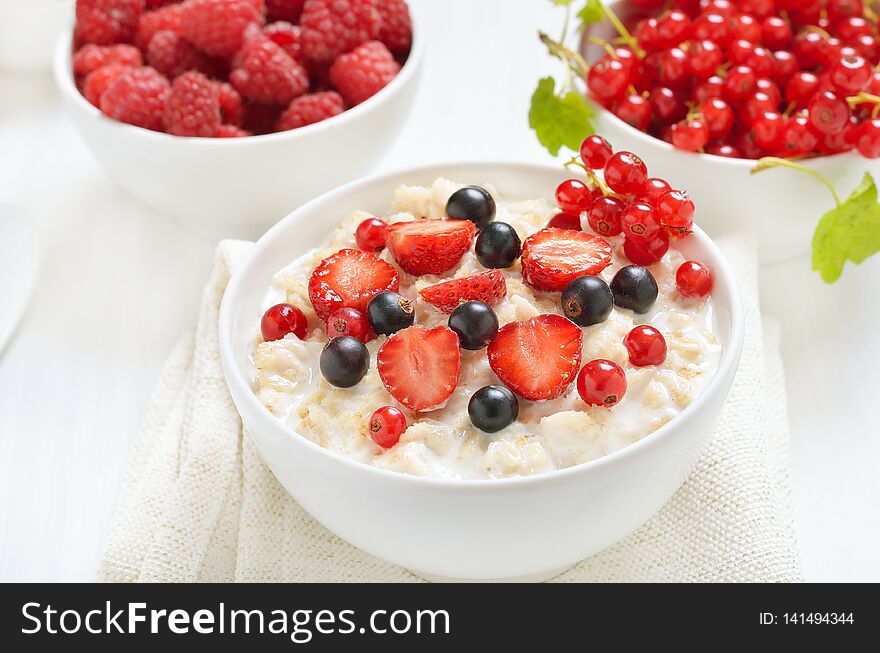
(120, 284)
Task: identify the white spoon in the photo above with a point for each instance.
(19, 263)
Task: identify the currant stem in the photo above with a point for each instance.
(863, 98)
(574, 61)
(769, 162)
(623, 31)
(592, 176)
(605, 44)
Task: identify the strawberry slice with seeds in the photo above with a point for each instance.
(429, 246)
(551, 258)
(419, 366)
(350, 278)
(537, 358)
(488, 287)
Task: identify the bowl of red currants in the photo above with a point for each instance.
(713, 91)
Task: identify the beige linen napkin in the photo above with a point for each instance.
(199, 504)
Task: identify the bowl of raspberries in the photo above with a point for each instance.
(708, 88)
(229, 113)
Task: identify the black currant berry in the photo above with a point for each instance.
(471, 203)
(493, 407)
(587, 300)
(475, 323)
(498, 245)
(635, 288)
(389, 312)
(344, 361)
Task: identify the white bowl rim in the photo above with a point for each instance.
(652, 141)
(63, 69)
(241, 389)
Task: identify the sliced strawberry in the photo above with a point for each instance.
(350, 278)
(551, 258)
(537, 358)
(488, 287)
(420, 366)
(429, 246)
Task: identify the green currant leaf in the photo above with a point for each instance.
(591, 13)
(850, 231)
(559, 119)
(562, 3)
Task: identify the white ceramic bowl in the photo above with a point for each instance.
(527, 527)
(29, 30)
(781, 207)
(237, 187)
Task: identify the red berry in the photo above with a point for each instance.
(674, 67)
(646, 35)
(654, 187)
(153, 22)
(107, 21)
(396, 30)
(350, 278)
(537, 358)
(723, 149)
(488, 287)
(309, 109)
(595, 152)
(429, 246)
(263, 72)
(625, 173)
(798, 137)
(842, 9)
(718, 117)
(607, 78)
(740, 82)
(673, 27)
(574, 196)
(91, 57)
(639, 222)
(282, 319)
(387, 424)
(217, 26)
(691, 135)
(667, 105)
(604, 215)
(173, 55)
(708, 89)
(745, 27)
(828, 113)
(601, 383)
(785, 66)
(646, 346)
(99, 80)
(551, 258)
(776, 32)
(712, 27)
(193, 106)
(849, 29)
(676, 209)
(370, 235)
(635, 111)
(345, 321)
(867, 138)
(703, 59)
(646, 253)
(565, 221)
(801, 88)
(363, 72)
(850, 74)
(693, 279)
(333, 27)
(420, 367)
(137, 97)
(768, 130)
(806, 46)
(289, 37)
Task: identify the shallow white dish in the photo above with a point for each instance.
(237, 187)
(19, 265)
(781, 207)
(512, 528)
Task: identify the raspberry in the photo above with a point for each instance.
(137, 97)
(231, 106)
(309, 109)
(231, 131)
(332, 27)
(363, 72)
(396, 30)
(263, 72)
(288, 10)
(152, 22)
(99, 80)
(91, 57)
(107, 21)
(193, 106)
(289, 37)
(217, 26)
(173, 55)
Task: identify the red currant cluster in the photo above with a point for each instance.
(749, 78)
(646, 210)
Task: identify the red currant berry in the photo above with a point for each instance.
(346, 321)
(756, 105)
(674, 67)
(828, 113)
(739, 51)
(849, 29)
(573, 196)
(868, 47)
(757, 8)
(850, 74)
(767, 130)
(282, 319)
(673, 27)
(867, 138)
(595, 152)
(604, 215)
(565, 221)
(676, 209)
(635, 111)
(723, 149)
(745, 27)
(769, 87)
(646, 35)
(387, 424)
(722, 7)
(829, 51)
(693, 279)
(646, 253)
(776, 32)
(718, 117)
(607, 79)
(691, 135)
(703, 59)
(708, 89)
(760, 60)
(798, 137)
(667, 105)
(653, 189)
(801, 88)
(601, 383)
(805, 47)
(370, 235)
(785, 66)
(625, 173)
(740, 82)
(711, 27)
(646, 346)
(639, 221)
